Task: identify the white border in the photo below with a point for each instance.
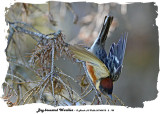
(149, 107)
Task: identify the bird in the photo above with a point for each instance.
(103, 68)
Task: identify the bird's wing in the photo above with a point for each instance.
(115, 57)
(82, 54)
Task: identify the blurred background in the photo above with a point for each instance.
(81, 22)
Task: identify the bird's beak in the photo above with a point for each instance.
(110, 96)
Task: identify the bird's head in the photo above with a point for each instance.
(105, 86)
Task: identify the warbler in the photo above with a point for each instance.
(103, 69)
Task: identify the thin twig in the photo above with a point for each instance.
(26, 25)
(21, 29)
(14, 76)
(85, 90)
(28, 96)
(41, 94)
(107, 100)
(11, 32)
(67, 87)
(75, 19)
(26, 66)
(33, 89)
(27, 82)
(85, 95)
(93, 100)
(65, 98)
(63, 74)
(118, 99)
(52, 71)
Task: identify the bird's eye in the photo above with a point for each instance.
(101, 89)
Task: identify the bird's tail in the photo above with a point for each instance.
(105, 29)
